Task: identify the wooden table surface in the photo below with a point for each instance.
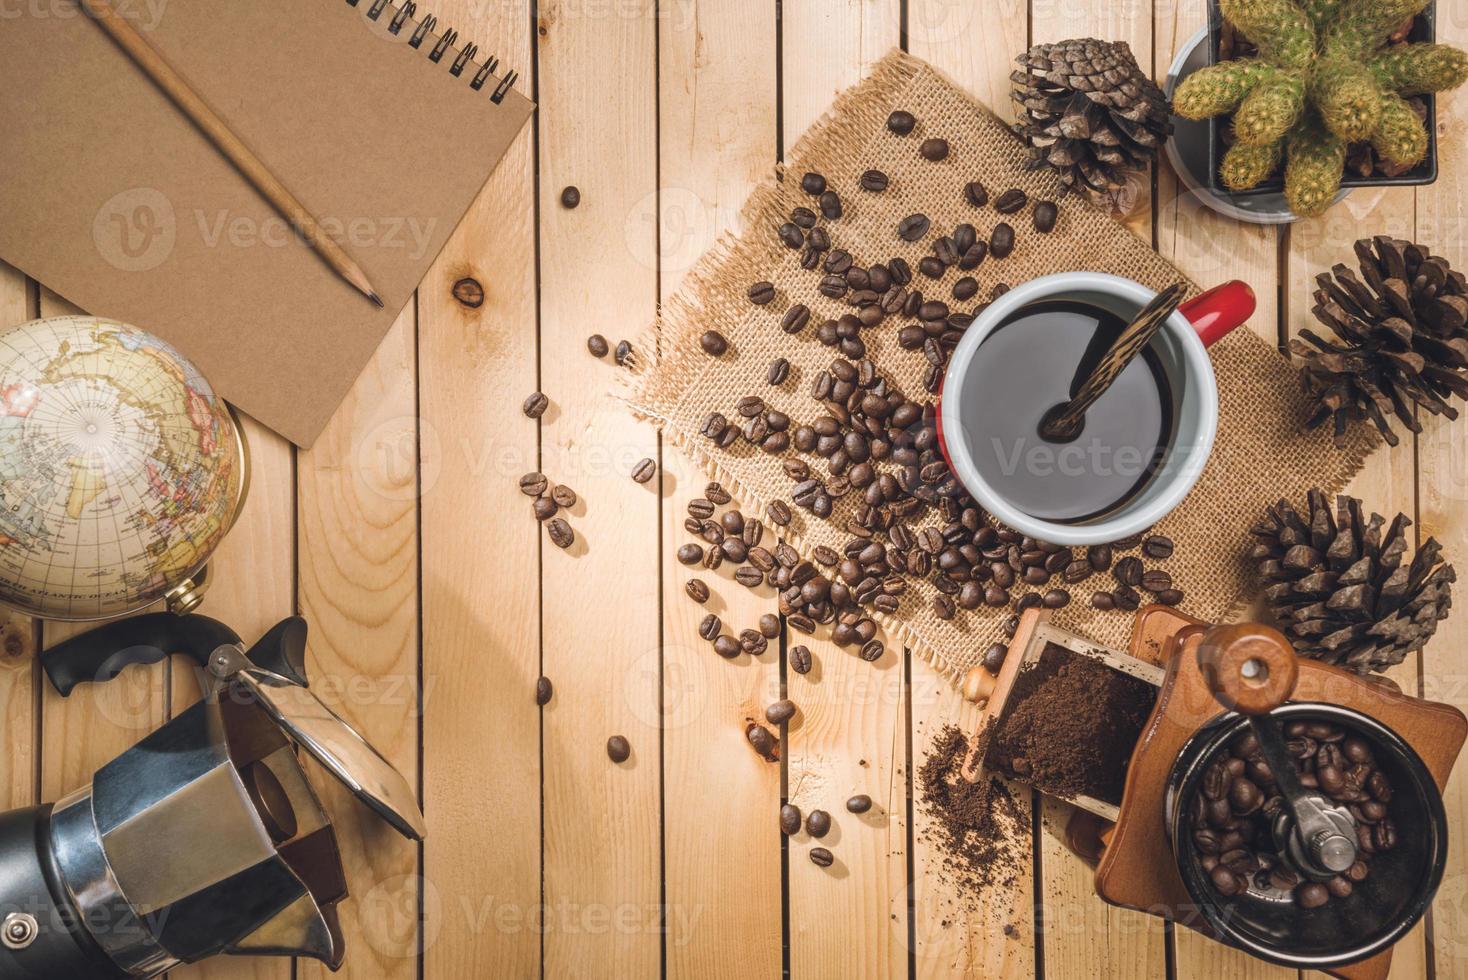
(435, 600)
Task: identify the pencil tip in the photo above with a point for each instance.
(376, 299)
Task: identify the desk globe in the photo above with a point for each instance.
(120, 470)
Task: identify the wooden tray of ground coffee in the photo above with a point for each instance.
(1089, 717)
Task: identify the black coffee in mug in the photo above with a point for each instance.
(1036, 360)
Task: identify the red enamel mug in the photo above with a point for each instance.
(1180, 347)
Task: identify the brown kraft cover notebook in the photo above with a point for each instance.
(111, 197)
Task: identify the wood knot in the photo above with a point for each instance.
(12, 645)
(469, 293)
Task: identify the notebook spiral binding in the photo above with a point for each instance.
(445, 43)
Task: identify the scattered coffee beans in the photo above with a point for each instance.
(1158, 546)
(1011, 201)
(763, 741)
(560, 532)
(800, 659)
(859, 804)
(645, 470)
(623, 353)
(713, 343)
(543, 691)
(790, 820)
(934, 148)
(780, 712)
(913, 227)
(761, 293)
(570, 197)
(818, 823)
(769, 626)
(709, 627)
(726, 646)
(535, 405)
(1001, 241)
(619, 750)
(597, 344)
(901, 122)
(533, 484)
(813, 184)
(1045, 216)
(874, 181)
(821, 857)
(563, 495)
(697, 590)
(779, 371)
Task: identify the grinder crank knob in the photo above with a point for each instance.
(1249, 668)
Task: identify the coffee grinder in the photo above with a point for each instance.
(204, 838)
(1216, 684)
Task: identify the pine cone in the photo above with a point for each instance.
(1401, 339)
(1087, 110)
(1339, 589)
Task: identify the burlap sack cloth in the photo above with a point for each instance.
(1260, 454)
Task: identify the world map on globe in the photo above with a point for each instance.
(120, 469)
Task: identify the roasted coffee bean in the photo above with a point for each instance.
(874, 181)
(753, 642)
(1127, 597)
(965, 288)
(813, 183)
(619, 750)
(1029, 600)
(713, 343)
(700, 508)
(690, 554)
(597, 345)
(714, 425)
(1311, 895)
(713, 558)
(749, 577)
(726, 646)
(818, 823)
(975, 193)
(645, 470)
(821, 857)
(560, 532)
(709, 627)
(913, 227)
(1104, 601)
(1099, 555)
(790, 235)
(533, 484)
(790, 820)
(697, 590)
(1170, 597)
(1127, 543)
(623, 352)
(1056, 599)
(901, 122)
(860, 803)
(1129, 571)
(1384, 835)
(751, 405)
(1158, 546)
(993, 658)
(780, 712)
(931, 266)
(779, 513)
(769, 626)
(545, 508)
(1045, 216)
(544, 691)
(944, 607)
(763, 741)
(754, 531)
(1156, 580)
(1244, 797)
(795, 318)
(800, 659)
(716, 493)
(872, 650)
(830, 205)
(1011, 201)
(803, 217)
(563, 495)
(1077, 571)
(734, 549)
(1225, 882)
(934, 148)
(761, 293)
(1001, 240)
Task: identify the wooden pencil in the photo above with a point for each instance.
(233, 148)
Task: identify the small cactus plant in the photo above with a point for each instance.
(1324, 78)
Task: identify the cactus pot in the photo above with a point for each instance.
(1423, 29)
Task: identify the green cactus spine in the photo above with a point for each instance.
(1218, 89)
(1399, 136)
(1271, 110)
(1418, 69)
(1280, 28)
(1360, 26)
(1348, 97)
(1316, 157)
(1245, 166)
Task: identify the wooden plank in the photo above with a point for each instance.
(957, 933)
(848, 920)
(252, 586)
(716, 140)
(1083, 935)
(18, 633)
(481, 630)
(1442, 483)
(357, 584)
(598, 91)
(97, 722)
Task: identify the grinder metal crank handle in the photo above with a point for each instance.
(102, 653)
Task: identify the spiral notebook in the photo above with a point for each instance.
(383, 122)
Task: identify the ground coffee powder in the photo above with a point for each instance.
(981, 830)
